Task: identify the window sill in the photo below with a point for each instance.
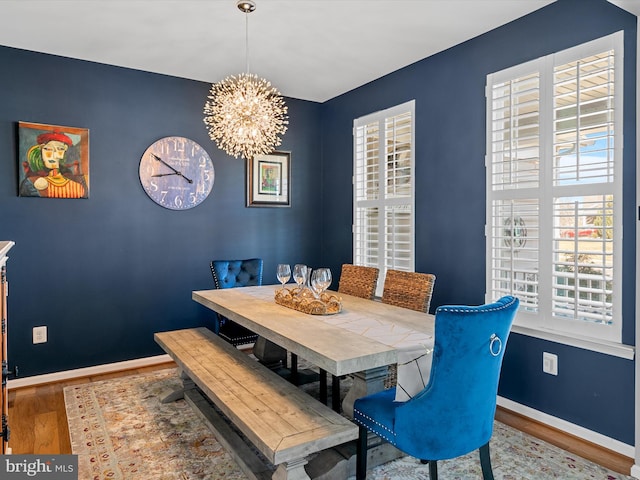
(600, 346)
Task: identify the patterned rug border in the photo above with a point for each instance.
(121, 431)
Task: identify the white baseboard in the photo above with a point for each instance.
(635, 471)
(88, 371)
(571, 428)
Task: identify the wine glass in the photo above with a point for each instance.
(320, 280)
(315, 283)
(283, 273)
(300, 275)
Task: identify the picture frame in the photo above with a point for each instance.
(53, 161)
(269, 180)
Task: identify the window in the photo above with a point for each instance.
(383, 190)
(554, 189)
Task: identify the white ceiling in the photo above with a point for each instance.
(308, 49)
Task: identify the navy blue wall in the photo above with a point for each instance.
(105, 273)
(592, 390)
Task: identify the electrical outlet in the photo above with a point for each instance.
(40, 334)
(549, 363)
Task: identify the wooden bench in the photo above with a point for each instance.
(281, 421)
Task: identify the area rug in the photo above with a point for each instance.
(121, 431)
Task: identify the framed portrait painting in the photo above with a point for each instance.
(268, 180)
(53, 161)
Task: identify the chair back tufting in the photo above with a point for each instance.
(237, 273)
(231, 274)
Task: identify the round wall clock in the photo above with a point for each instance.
(176, 173)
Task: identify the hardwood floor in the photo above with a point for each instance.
(600, 455)
(38, 423)
(37, 416)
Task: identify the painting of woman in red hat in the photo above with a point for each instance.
(53, 161)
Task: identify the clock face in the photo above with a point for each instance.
(176, 173)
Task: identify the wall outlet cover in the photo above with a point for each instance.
(39, 334)
(550, 363)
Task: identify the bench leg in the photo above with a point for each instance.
(174, 396)
(179, 393)
(293, 470)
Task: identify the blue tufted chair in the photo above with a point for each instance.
(230, 274)
(453, 415)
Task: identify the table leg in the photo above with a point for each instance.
(364, 383)
(339, 463)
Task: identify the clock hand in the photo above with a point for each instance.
(162, 161)
(176, 172)
(169, 174)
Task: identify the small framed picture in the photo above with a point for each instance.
(268, 180)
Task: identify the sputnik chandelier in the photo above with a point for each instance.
(244, 114)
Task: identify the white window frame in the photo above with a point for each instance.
(382, 259)
(540, 323)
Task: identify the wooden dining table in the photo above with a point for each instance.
(362, 340)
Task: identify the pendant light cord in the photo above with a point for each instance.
(246, 40)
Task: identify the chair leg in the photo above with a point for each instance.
(433, 470)
(335, 393)
(361, 454)
(485, 462)
(216, 324)
(323, 386)
(294, 369)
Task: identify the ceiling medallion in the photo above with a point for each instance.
(244, 114)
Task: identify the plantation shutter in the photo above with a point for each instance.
(383, 229)
(514, 181)
(554, 189)
(583, 172)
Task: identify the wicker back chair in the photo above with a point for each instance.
(408, 289)
(358, 281)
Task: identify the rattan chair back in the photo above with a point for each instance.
(411, 290)
(358, 281)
